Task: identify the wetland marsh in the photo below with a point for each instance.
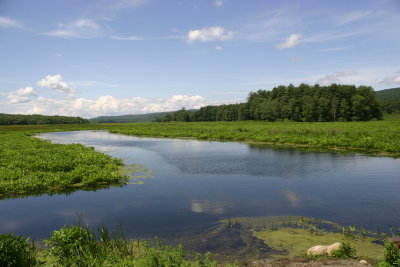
(196, 183)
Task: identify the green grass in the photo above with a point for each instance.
(371, 136)
(294, 235)
(297, 241)
(30, 165)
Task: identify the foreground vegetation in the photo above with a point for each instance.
(77, 245)
(30, 165)
(373, 136)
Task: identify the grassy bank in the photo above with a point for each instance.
(372, 136)
(32, 166)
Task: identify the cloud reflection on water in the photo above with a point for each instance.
(292, 197)
(210, 207)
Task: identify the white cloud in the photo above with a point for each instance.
(219, 3)
(270, 25)
(392, 79)
(218, 47)
(291, 41)
(127, 38)
(337, 77)
(109, 105)
(56, 83)
(209, 34)
(21, 95)
(339, 48)
(9, 23)
(81, 28)
(364, 76)
(352, 17)
(333, 35)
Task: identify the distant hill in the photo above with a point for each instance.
(388, 94)
(389, 100)
(35, 119)
(149, 117)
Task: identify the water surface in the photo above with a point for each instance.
(197, 183)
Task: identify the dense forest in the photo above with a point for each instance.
(389, 100)
(16, 119)
(296, 103)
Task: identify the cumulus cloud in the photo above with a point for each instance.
(208, 34)
(219, 3)
(21, 95)
(291, 41)
(392, 79)
(56, 83)
(336, 77)
(9, 23)
(81, 28)
(109, 105)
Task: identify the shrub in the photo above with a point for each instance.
(345, 251)
(392, 254)
(69, 242)
(15, 251)
(161, 255)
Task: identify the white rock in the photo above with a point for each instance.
(331, 248)
(363, 262)
(317, 250)
(324, 250)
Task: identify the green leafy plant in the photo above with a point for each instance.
(69, 242)
(345, 251)
(16, 251)
(349, 231)
(392, 254)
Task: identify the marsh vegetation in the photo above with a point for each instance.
(32, 166)
(371, 136)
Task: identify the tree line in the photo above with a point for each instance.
(17, 119)
(308, 103)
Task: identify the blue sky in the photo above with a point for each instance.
(104, 57)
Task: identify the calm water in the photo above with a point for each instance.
(196, 183)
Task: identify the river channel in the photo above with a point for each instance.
(193, 184)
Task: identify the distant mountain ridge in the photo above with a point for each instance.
(389, 100)
(148, 117)
(388, 94)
